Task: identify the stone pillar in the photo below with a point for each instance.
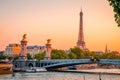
(48, 50)
(23, 55)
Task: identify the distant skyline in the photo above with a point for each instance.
(59, 20)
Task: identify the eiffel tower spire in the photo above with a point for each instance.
(81, 42)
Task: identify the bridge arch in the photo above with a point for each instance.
(15, 66)
(30, 65)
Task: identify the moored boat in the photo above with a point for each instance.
(40, 69)
(31, 69)
(5, 67)
(35, 69)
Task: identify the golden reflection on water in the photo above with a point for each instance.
(4, 75)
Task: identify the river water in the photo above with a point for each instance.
(58, 76)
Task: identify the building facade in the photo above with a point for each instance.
(98, 52)
(35, 49)
(13, 49)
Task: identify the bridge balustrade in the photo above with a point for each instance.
(68, 62)
(110, 61)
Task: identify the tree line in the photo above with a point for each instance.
(74, 53)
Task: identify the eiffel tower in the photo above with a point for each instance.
(81, 42)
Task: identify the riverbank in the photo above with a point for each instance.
(97, 71)
(93, 71)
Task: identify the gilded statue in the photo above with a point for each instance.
(48, 41)
(24, 36)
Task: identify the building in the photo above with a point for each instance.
(81, 42)
(13, 49)
(67, 51)
(35, 49)
(98, 52)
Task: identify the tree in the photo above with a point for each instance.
(16, 57)
(85, 54)
(29, 56)
(40, 56)
(10, 57)
(2, 57)
(72, 55)
(112, 56)
(116, 8)
(77, 51)
(59, 54)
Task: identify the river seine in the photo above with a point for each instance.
(58, 76)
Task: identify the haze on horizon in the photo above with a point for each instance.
(59, 21)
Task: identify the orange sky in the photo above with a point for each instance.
(59, 21)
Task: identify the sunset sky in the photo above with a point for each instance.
(59, 21)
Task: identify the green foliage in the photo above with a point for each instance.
(59, 54)
(98, 56)
(2, 57)
(40, 56)
(110, 56)
(10, 57)
(72, 55)
(29, 56)
(88, 54)
(116, 8)
(77, 51)
(16, 57)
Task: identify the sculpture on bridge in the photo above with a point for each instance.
(48, 50)
(48, 41)
(24, 37)
(23, 53)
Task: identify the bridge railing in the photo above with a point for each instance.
(68, 62)
(110, 61)
(63, 60)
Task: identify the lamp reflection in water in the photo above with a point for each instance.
(100, 76)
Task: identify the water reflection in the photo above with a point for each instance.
(58, 76)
